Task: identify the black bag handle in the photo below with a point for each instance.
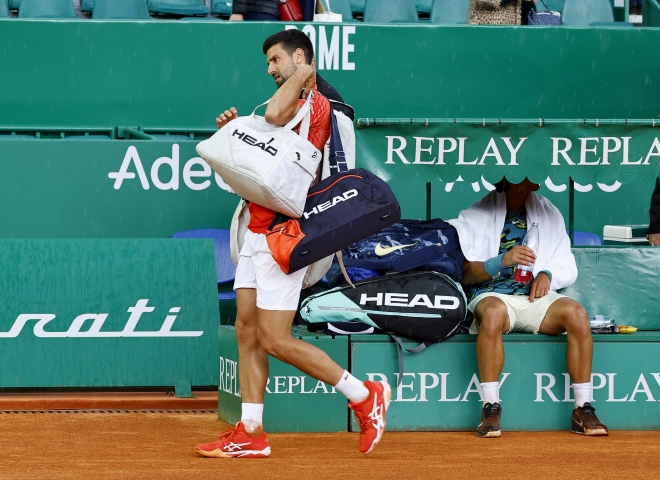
(399, 351)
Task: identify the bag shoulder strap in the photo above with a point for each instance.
(544, 4)
(254, 112)
(302, 116)
(343, 108)
(399, 351)
(337, 158)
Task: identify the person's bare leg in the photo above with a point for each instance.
(493, 319)
(274, 334)
(567, 315)
(252, 360)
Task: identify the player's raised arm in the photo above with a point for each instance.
(284, 104)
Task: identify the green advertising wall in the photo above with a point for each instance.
(108, 188)
(440, 389)
(154, 188)
(614, 163)
(108, 313)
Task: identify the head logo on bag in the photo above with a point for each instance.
(250, 140)
(440, 302)
(399, 305)
(331, 203)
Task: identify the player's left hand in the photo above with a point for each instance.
(540, 286)
(225, 117)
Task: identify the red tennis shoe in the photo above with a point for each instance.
(236, 442)
(370, 413)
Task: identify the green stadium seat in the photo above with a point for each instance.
(87, 5)
(450, 12)
(46, 9)
(179, 7)
(390, 11)
(586, 12)
(223, 7)
(4, 9)
(342, 7)
(14, 4)
(424, 6)
(123, 10)
(357, 6)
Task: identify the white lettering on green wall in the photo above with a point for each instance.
(165, 172)
(327, 49)
(75, 330)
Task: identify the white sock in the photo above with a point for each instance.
(582, 392)
(352, 388)
(252, 416)
(491, 391)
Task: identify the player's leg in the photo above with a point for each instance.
(492, 317)
(274, 334)
(493, 320)
(278, 296)
(369, 400)
(567, 315)
(247, 439)
(252, 360)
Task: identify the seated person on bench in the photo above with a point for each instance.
(491, 233)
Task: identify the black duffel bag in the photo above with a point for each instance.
(340, 210)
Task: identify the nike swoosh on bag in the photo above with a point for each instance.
(382, 251)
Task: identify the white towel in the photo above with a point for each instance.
(480, 227)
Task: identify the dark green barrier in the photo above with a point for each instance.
(108, 313)
(60, 188)
(180, 74)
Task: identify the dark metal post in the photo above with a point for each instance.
(428, 200)
(571, 210)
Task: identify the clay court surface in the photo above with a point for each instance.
(160, 446)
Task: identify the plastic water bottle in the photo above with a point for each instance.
(524, 272)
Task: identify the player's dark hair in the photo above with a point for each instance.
(291, 40)
(501, 185)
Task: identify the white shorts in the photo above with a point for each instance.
(257, 269)
(524, 316)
